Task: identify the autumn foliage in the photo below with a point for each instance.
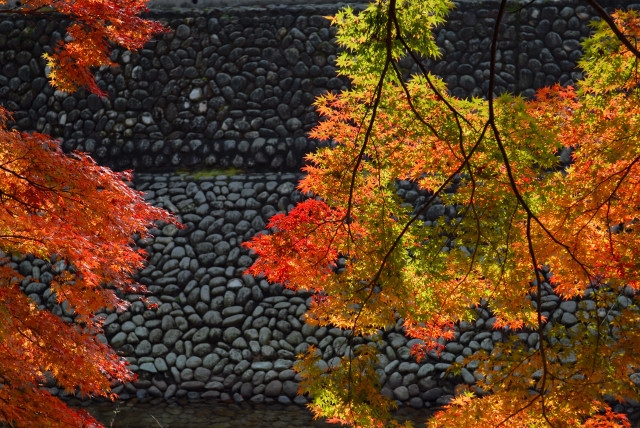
(66, 209)
(95, 27)
(521, 219)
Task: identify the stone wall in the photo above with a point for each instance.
(235, 87)
(220, 334)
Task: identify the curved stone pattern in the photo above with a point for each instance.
(220, 334)
(235, 87)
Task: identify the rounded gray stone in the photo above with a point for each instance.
(148, 367)
(160, 364)
(401, 393)
(201, 374)
(171, 337)
(119, 340)
(231, 334)
(467, 377)
(432, 394)
(193, 362)
(235, 284)
(568, 319)
(273, 388)
(290, 388)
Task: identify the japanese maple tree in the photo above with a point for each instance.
(521, 218)
(67, 209)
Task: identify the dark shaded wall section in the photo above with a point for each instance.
(235, 87)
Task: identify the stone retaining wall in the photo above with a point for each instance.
(220, 334)
(235, 87)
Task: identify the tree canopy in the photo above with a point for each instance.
(67, 210)
(522, 219)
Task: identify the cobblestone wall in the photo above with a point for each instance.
(235, 87)
(220, 334)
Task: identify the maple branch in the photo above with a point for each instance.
(374, 110)
(515, 412)
(61, 191)
(405, 229)
(409, 99)
(367, 137)
(457, 115)
(425, 73)
(507, 243)
(541, 346)
(505, 158)
(624, 171)
(521, 201)
(612, 25)
(30, 208)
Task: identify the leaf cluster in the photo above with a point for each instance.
(63, 207)
(95, 28)
(68, 210)
(519, 214)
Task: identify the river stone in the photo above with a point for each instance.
(268, 352)
(171, 358)
(235, 284)
(233, 320)
(467, 377)
(391, 366)
(568, 319)
(401, 393)
(230, 334)
(273, 388)
(182, 323)
(158, 350)
(408, 367)
(202, 374)
(569, 306)
(212, 318)
(160, 365)
(432, 394)
(235, 355)
(222, 248)
(170, 392)
(148, 367)
(290, 388)
(210, 360)
(282, 364)
(171, 337)
(202, 349)
(200, 335)
(454, 347)
(243, 367)
(193, 362)
(295, 338)
(118, 340)
(168, 323)
(232, 310)
(128, 327)
(181, 362)
(143, 348)
(395, 380)
(262, 365)
(239, 343)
